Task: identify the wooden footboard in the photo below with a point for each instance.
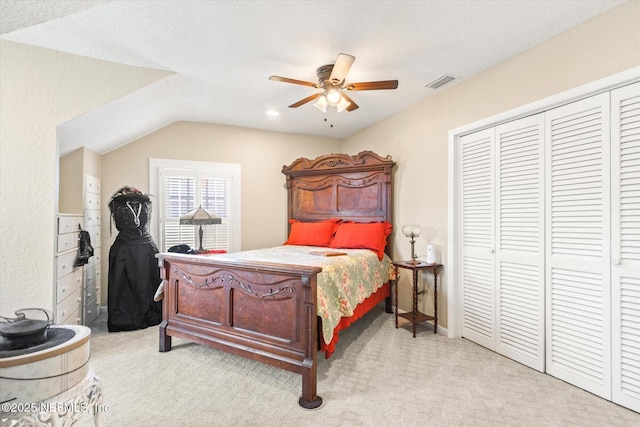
(262, 311)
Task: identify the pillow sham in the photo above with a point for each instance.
(354, 235)
(312, 233)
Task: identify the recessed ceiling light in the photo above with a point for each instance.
(272, 113)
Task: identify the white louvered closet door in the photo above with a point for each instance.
(578, 309)
(478, 230)
(625, 226)
(520, 257)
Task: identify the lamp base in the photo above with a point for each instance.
(413, 251)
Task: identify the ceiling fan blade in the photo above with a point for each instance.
(385, 84)
(341, 68)
(294, 81)
(304, 101)
(352, 105)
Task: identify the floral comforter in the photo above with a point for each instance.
(345, 280)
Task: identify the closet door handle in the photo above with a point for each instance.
(492, 251)
(616, 261)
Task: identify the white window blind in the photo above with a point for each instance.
(179, 198)
(215, 199)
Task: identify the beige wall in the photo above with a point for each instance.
(72, 170)
(69, 186)
(39, 89)
(417, 138)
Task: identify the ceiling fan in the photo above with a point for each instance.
(332, 81)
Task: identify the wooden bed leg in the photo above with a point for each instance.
(165, 340)
(309, 399)
(388, 304)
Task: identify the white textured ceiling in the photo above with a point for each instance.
(222, 53)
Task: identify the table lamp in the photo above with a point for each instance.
(412, 231)
(200, 217)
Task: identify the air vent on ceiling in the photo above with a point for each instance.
(440, 81)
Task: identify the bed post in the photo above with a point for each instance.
(165, 340)
(388, 172)
(309, 398)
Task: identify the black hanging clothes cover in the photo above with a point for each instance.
(134, 274)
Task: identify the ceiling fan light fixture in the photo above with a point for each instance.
(333, 97)
(331, 80)
(321, 104)
(343, 104)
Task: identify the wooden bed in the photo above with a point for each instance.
(266, 311)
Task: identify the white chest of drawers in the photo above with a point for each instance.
(91, 286)
(69, 279)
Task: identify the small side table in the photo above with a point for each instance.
(415, 316)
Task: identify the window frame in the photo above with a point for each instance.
(159, 167)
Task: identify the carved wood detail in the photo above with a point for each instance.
(227, 279)
(363, 159)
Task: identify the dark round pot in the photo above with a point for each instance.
(21, 332)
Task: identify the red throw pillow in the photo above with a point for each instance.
(353, 235)
(312, 233)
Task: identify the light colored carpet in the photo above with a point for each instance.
(378, 376)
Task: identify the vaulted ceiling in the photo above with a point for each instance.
(221, 54)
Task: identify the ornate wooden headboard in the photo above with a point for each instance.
(357, 188)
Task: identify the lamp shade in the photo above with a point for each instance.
(343, 104)
(321, 104)
(200, 217)
(412, 230)
(333, 97)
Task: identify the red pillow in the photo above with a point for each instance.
(352, 235)
(312, 233)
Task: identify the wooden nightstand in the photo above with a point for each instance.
(415, 316)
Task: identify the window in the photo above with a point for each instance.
(182, 186)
